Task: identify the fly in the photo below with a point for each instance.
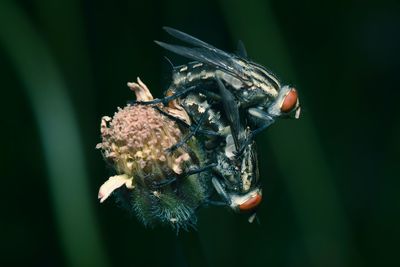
(218, 125)
(256, 90)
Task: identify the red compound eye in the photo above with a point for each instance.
(290, 101)
(251, 203)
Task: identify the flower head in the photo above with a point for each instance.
(136, 140)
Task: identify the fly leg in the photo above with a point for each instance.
(191, 133)
(158, 185)
(186, 125)
(165, 100)
(221, 191)
(193, 129)
(267, 119)
(215, 202)
(181, 177)
(211, 95)
(200, 169)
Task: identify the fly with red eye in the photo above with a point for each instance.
(289, 101)
(257, 91)
(251, 203)
(220, 102)
(250, 99)
(236, 175)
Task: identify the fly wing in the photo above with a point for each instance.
(202, 55)
(191, 40)
(241, 50)
(254, 159)
(206, 53)
(232, 114)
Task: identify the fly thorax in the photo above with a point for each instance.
(230, 80)
(264, 79)
(267, 89)
(250, 97)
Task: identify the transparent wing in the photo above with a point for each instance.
(191, 40)
(206, 53)
(232, 114)
(241, 50)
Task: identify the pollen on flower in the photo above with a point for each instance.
(140, 136)
(156, 184)
(136, 140)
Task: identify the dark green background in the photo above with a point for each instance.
(330, 179)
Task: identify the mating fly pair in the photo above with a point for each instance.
(229, 99)
(196, 145)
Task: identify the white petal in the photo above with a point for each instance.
(111, 184)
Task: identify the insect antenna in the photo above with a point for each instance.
(170, 62)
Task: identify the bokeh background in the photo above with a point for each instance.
(330, 179)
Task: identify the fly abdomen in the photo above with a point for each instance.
(191, 74)
(196, 72)
(196, 104)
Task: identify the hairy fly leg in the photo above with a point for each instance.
(190, 127)
(200, 169)
(180, 177)
(267, 121)
(190, 134)
(220, 188)
(167, 99)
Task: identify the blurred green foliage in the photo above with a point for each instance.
(330, 179)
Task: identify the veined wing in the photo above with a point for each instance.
(191, 40)
(232, 114)
(206, 53)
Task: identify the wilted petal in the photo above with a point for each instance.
(113, 183)
(141, 91)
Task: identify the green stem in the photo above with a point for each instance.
(62, 146)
